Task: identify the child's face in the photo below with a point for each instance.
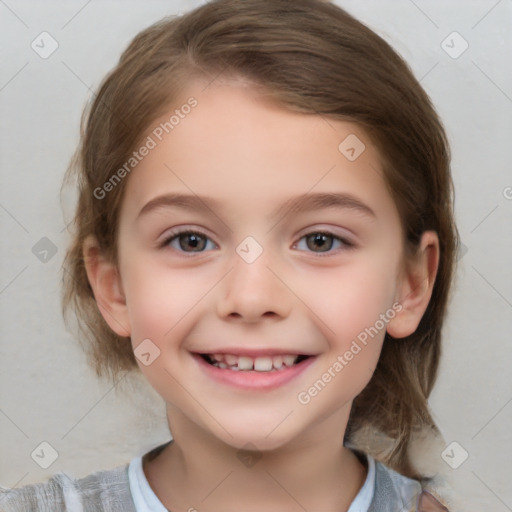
(216, 294)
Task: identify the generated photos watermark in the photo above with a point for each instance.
(150, 143)
(305, 396)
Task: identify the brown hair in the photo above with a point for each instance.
(311, 57)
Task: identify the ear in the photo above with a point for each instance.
(415, 286)
(106, 285)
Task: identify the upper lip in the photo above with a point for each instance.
(254, 352)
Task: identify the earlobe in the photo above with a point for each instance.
(106, 285)
(415, 287)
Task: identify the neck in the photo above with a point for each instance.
(199, 471)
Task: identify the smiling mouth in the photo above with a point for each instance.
(254, 364)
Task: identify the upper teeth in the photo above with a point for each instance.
(259, 364)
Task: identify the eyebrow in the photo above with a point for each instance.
(301, 203)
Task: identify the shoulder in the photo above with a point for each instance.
(393, 489)
(391, 486)
(102, 491)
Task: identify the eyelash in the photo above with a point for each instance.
(346, 244)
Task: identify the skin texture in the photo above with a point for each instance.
(251, 156)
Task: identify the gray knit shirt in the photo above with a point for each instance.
(109, 491)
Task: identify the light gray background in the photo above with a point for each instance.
(48, 394)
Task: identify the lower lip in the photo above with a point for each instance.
(252, 379)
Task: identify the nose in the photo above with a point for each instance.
(253, 291)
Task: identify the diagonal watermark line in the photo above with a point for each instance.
(75, 15)
(88, 87)
(105, 309)
(326, 120)
(494, 288)
(101, 306)
(13, 279)
(72, 482)
(281, 422)
(198, 301)
(406, 402)
(492, 211)
(486, 14)
(424, 14)
(285, 490)
(428, 72)
(14, 76)
(198, 402)
(13, 13)
(300, 299)
(378, 172)
(81, 419)
(501, 409)
(312, 187)
(14, 218)
(13, 488)
(216, 487)
(67, 226)
(94, 95)
(497, 497)
(216, 76)
(410, 504)
(417, 417)
(205, 205)
(492, 81)
(14, 423)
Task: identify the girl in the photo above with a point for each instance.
(265, 229)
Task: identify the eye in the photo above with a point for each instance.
(323, 241)
(187, 239)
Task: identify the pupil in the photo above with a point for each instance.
(193, 241)
(319, 240)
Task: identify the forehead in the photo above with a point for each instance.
(236, 146)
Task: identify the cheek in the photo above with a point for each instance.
(352, 300)
(351, 309)
(158, 298)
